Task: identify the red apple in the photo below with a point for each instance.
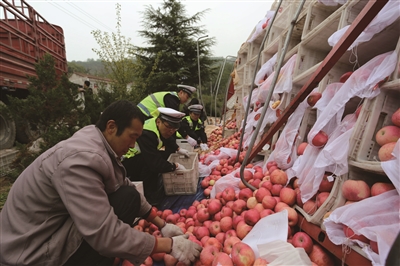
(379, 188)
(326, 185)
(396, 118)
(169, 260)
(269, 202)
(300, 149)
(349, 233)
(261, 193)
(321, 198)
(310, 207)
(252, 217)
(288, 196)
(242, 254)
(215, 228)
(226, 223)
(345, 76)
(245, 193)
(203, 215)
(242, 229)
(313, 98)
(321, 257)
(229, 242)
(302, 240)
(228, 194)
(214, 206)
(239, 206)
(279, 177)
(208, 254)
(320, 139)
(212, 241)
(260, 262)
(385, 152)
(222, 259)
(355, 190)
(387, 134)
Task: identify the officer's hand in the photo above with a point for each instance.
(191, 141)
(170, 230)
(180, 167)
(184, 249)
(183, 152)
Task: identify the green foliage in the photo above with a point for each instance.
(118, 63)
(171, 55)
(90, 66)
(51, 107)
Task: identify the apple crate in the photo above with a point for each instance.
(334, 200)
(351, 11)
(184, 144)
(318, 15)
(182, 182)
(375, 114)
(356, 173)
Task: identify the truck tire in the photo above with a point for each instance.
(7, 130)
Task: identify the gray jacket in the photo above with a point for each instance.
(61, 199)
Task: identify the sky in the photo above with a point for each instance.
(230, 22)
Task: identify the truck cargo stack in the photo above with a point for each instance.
(25, 37)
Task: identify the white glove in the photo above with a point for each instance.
(180, 167)
(203, 147)
(184, 249)
(191, 141)
(183, 152)
(170, 230)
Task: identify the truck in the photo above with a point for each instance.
(25, 36)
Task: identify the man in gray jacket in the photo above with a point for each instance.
(74, 205)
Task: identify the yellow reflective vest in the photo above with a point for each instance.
(149, 105)
(150, 125)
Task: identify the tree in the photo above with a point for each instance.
(118, 62)
(50, 107)
(171, 57)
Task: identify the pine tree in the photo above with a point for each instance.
(171, 56)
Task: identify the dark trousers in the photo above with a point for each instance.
(137, 169)
(126, 204)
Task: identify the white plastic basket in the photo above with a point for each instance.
(375, 114)
(334, 200)
(182, 182)
(184, 144)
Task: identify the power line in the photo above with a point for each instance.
(89, 15)
(73, 15)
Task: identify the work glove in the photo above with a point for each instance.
(183, 152)
(191, 141)
(184, 249)
(180, 167)
(170, 230)
(203, 147)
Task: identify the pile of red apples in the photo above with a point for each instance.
(220, 224)
(215, 140)
(387, 136)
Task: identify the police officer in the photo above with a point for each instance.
(148, 160)
(170, 99)
(192, 128)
